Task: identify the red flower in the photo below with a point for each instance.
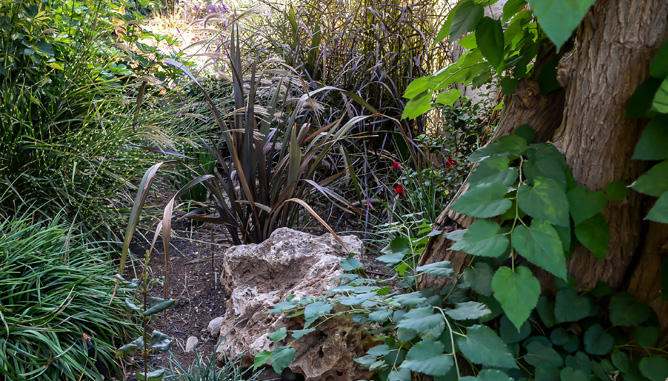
(450, 163)
(523, 9)
(399, 190)
(396, 165)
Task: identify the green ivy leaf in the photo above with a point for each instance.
(489, 38)
(654, 140)
(654, 182)
(314, 311)
(468, 311)
(483, 201)
(494, 169)
(544, 201)
(416, 87)
(427, 357)
(399, 375)
(570, 374)
(616, 190)
(594, 234)
(539, 354)
(659, 211)
(544, 160)
(511, 7)
(395, 250)
(279, 335)
(579, 361)
(540, 245)
(620, 360)
(510, 334)
(420, 319)
(479, 278)
(560, 18)
(627, 311)
(597, 342)
(418, 105)
(569, 306)
(488, 375)
(646, 336)
(467, 16)
(482, 346)
(659, 66)
(525, 131)
(517, 291)
(585, 205)
(482, 238)
(281, 357)
(351, 264)
(380, 314)
(449, 97)
(261, 359)
(379, 350)
(660, 102)
(655, 368)
(505, 145)
(438, 269)
(545, 310)
(299, 333)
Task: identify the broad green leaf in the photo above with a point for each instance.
(261, 359)
(282, 306)
(281, 357)
(659, 211)
(418, 105)
(482, 346)
(594, 234)
(399, 375)
(540, 245)
(468, 311)
(380, 314)
(616, 190)
(379, 350)
(525, 131)
(439, 269)
(314, 311)
(660, 102)
(494, 169)
(547, 374)
(165, 304)
(428, 357)
(468, 42)
(483, 201)
(597, 342)
(156, 375)
(545, 310)
(517, 291)
(445, 29)
(560, 18)
(510, 334)
(570, 374)
(569, 306)
(621, 360)
(627, 311)
(646, 336)
(406, 335)
(160, 341)
(489, 38)
(416, 87)
(544, 160)
(420, 319)
(479, 278)
(137, 343)
(655, 368)
(482, 238)
(542, 355)
(653, 144)
(449, 97)
(279, 335)
(639, 104)
(511, 7)
(584, 205)
(659, 66)
(412, 299)
(299, 333)
(545, 201)
(579, 361)
(654, 182)
(130, 304)
(506, 145)
(488, 375)
(351, 264)
(395, 250)
(467, 16)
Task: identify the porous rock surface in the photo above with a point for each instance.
(258, 276)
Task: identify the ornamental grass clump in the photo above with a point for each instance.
(55, 287)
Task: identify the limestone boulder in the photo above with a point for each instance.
(258, 276)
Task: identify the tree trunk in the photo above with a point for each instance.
(611, 54)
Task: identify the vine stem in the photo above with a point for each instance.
(452, 341)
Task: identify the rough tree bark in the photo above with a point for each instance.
(612, 50)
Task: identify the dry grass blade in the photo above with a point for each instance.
(317, 217)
